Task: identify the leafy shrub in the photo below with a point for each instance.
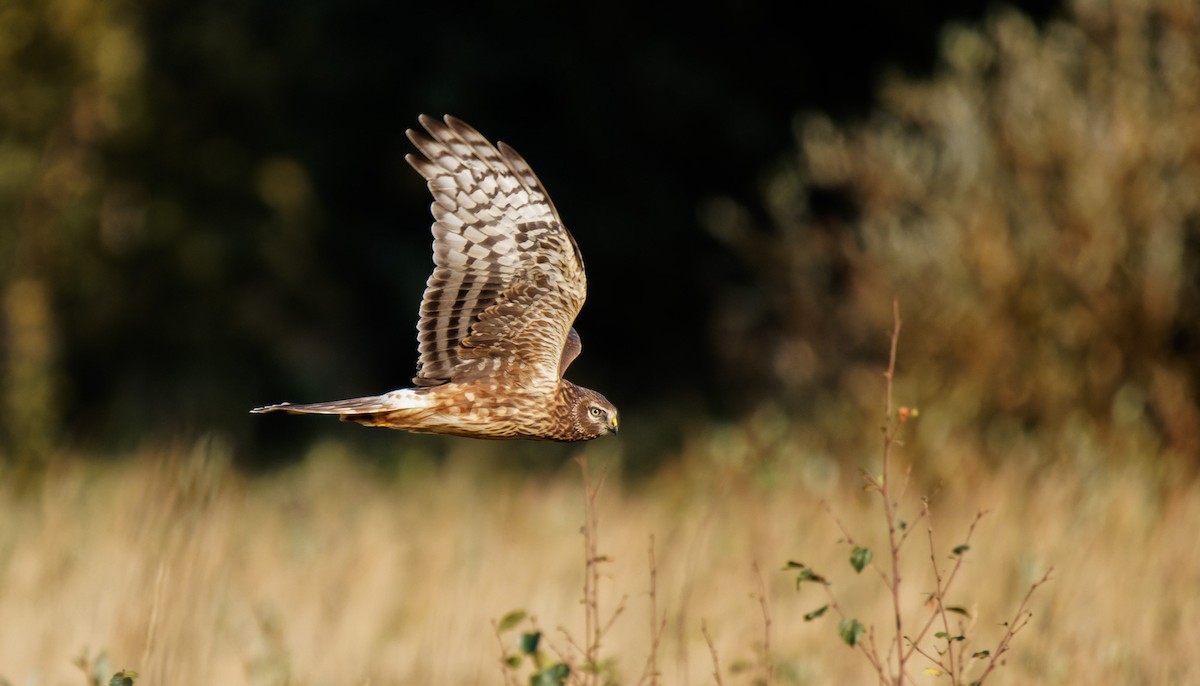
(1035, 206)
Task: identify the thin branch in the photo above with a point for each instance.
(871, 648)
(1019, 620)
(561, 654)
(713, 650)
(593, 629)
(904, 484)
(766, 615)
(932, 658)
(608, 625)
(964, 665)
(891, 428)
(868, 649)
(571, 643)
(939, 597)
(958, 562)
(650, 671)
(891, 370)
(913, 524)
(850, 541)
(509, 677)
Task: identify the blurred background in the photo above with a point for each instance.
(208, 210)
(208, 206)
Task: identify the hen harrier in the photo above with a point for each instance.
(495, 333)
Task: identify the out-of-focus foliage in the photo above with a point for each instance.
(68, 67)
(207, 205)
(1036, 209)
(149, 219)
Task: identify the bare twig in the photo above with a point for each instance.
(590, 576)
(905, 528)
(941, 590)
(562, 655)
(509, 677)
(571, 642)
(768, 669)
(932, 658)
(650, 671)
(890, 430)
(890, 374)
(1019, 620)
(612, 618)
(594, 627)
(871, 648)
(943, 586)
(713, 650)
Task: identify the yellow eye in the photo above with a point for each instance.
(596, 412)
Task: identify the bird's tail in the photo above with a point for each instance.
(353, 408)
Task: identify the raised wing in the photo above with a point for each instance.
(508, 279)
(571, 350)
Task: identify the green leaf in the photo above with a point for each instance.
(851, 630)
(961, 549)
(806, 574)
(510, 620)
(554, 675)
(529, 642)
(513, 661)
(948, 637)
(123, 678)
(816, 613)
(958, 610)
(982, 653)
(860, 557)
(810, 575)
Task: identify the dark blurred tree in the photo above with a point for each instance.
(70, 72)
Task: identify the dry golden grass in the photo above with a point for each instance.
(330, 573)
(1036, 203)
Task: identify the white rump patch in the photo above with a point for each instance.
(405, 398)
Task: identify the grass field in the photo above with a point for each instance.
(181, 569)
(1033, 202)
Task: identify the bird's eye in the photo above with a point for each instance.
(596, 412)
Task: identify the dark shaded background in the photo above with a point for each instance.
(280, 242)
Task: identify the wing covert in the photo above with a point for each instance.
(508, 279)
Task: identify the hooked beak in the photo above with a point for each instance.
(612, 424)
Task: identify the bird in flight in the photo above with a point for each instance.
(495, 334)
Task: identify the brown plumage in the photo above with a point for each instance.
(495, 334)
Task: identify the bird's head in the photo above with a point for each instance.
(594, 416)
